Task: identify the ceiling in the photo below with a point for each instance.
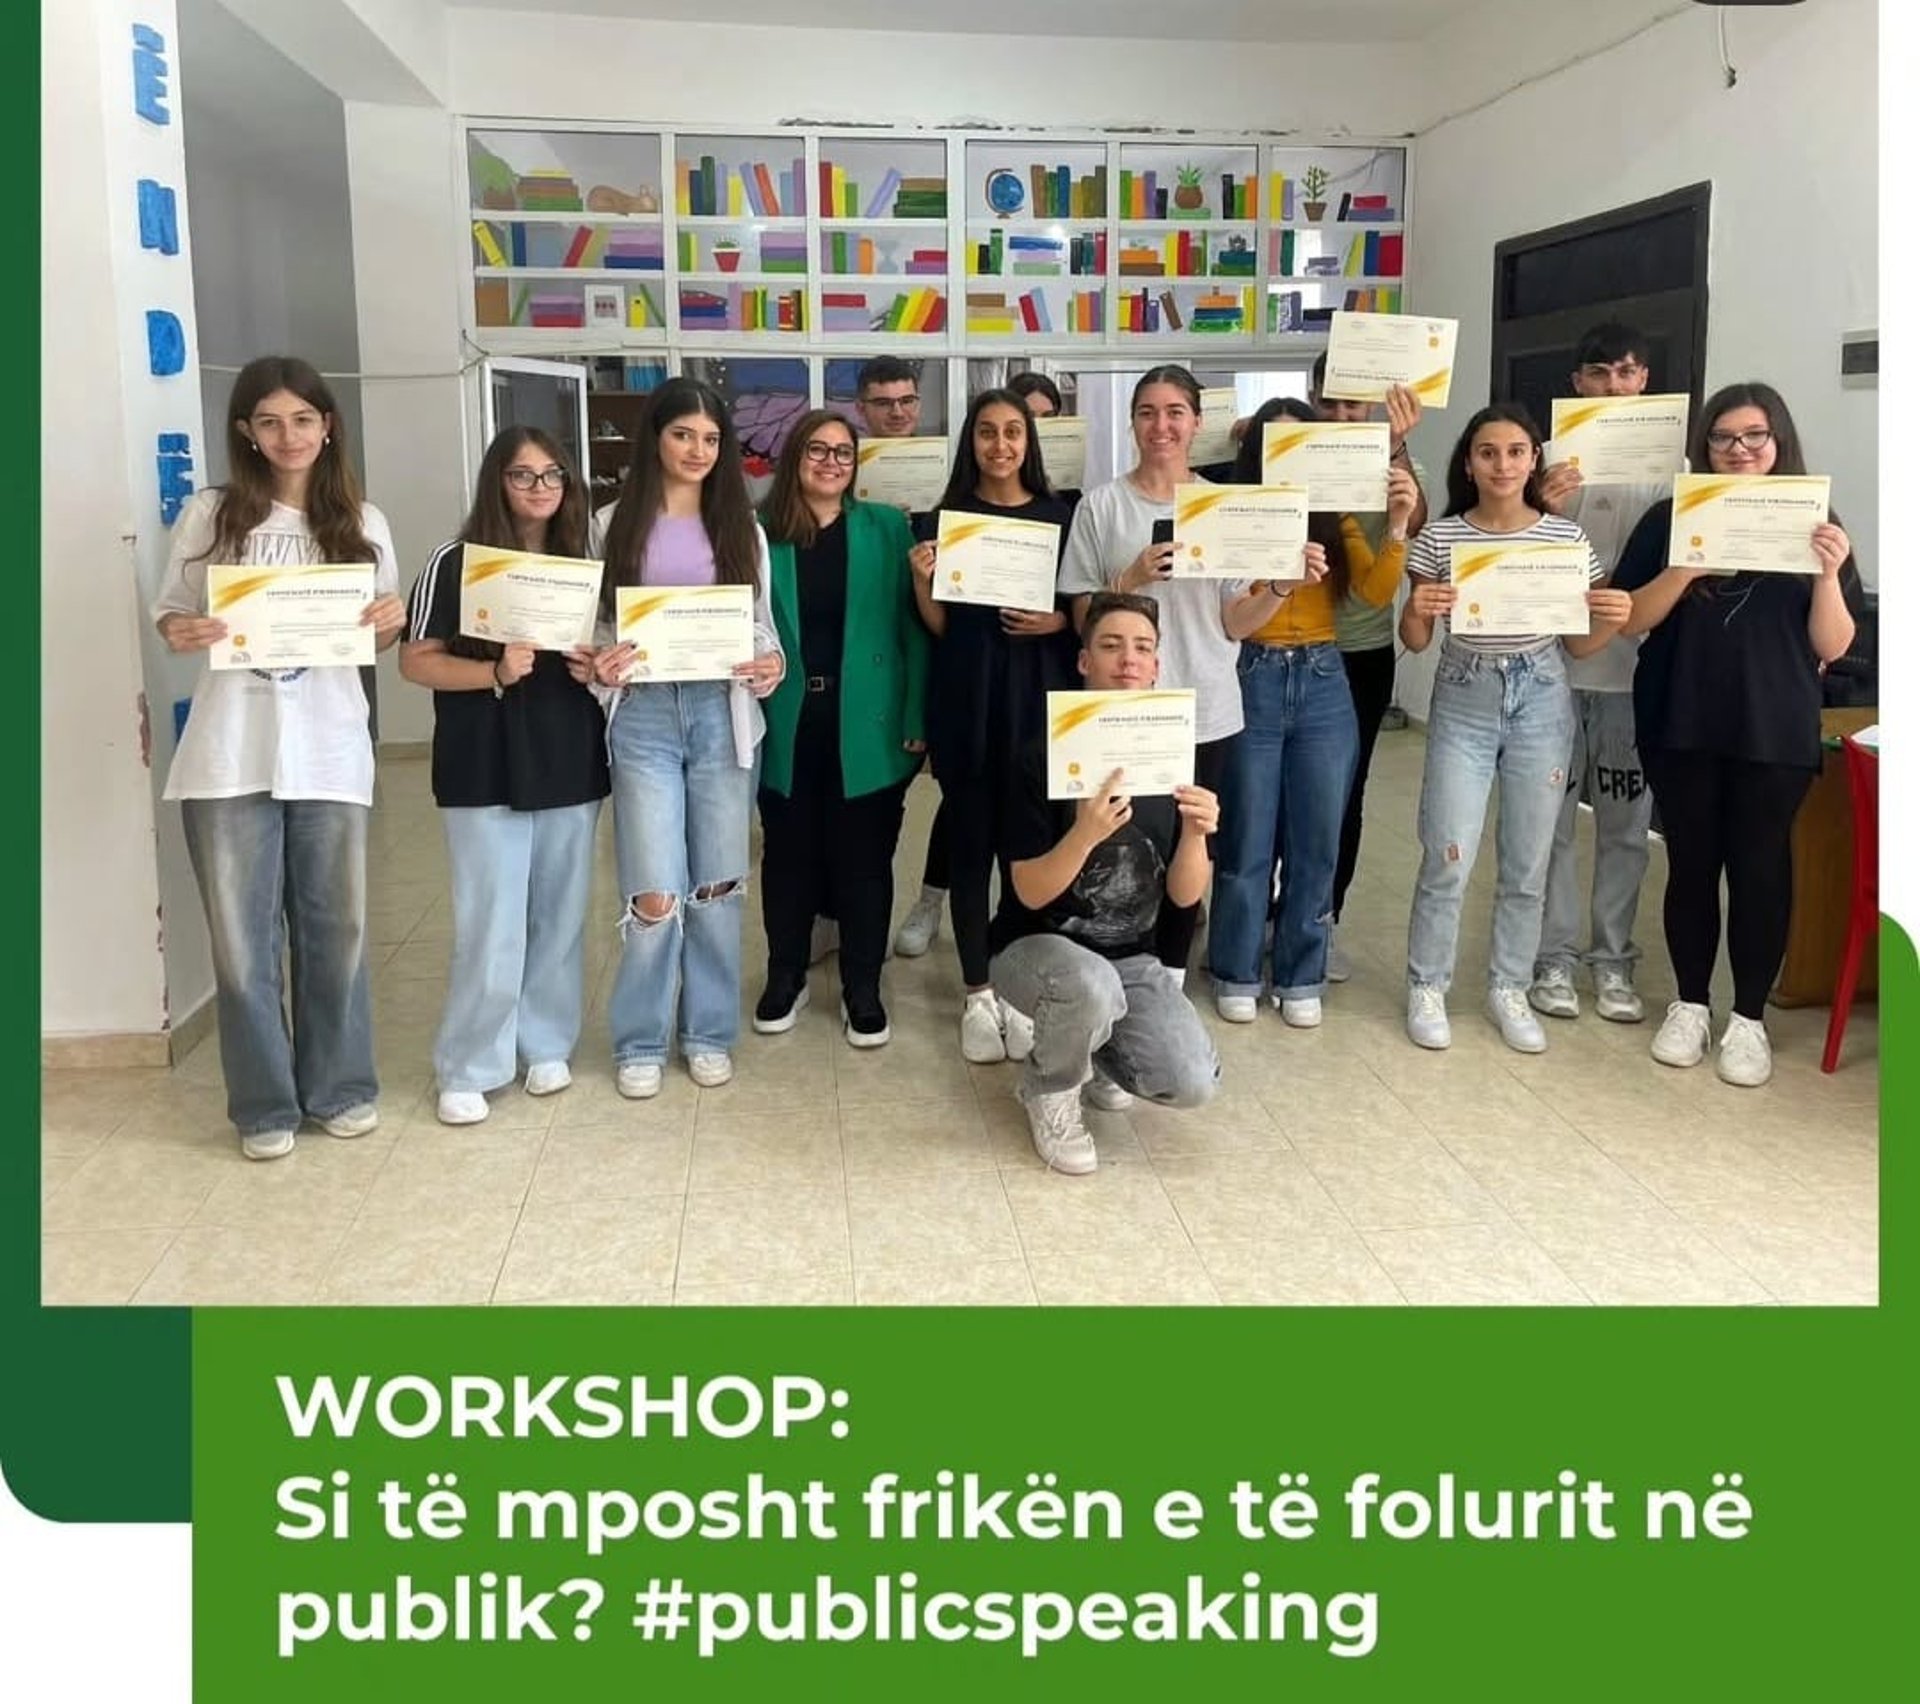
(1163, 20)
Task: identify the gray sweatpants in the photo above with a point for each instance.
(1128, 1015)
(1605, 771)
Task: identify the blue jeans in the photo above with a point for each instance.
(1510, 716)
(1285, 790)
(680, 813)
(286, 875)
(520, 881)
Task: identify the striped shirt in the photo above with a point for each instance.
(1431, 558)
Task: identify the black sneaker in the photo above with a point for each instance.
(783, 1002)
(866, 1018)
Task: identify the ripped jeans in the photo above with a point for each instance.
(1509, 716)
(680, 812)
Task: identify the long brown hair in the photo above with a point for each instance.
(724, 510)
(333, 490)
(784, 512)
(1323, 525)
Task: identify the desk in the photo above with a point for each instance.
(1823, 877)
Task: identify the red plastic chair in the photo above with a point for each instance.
(1863, 917)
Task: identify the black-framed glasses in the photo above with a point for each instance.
(823, 453)
(893, 404)
(1753, 440)
(526, 478)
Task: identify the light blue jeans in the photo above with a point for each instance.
(520, 881)
(680, 816)
(1285, 791)
(1510, 716)
(286, 876)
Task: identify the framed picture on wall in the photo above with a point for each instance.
(606, 306)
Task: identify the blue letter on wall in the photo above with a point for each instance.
(166, 343)
(174, 465)
(159, 223)
(150, 75)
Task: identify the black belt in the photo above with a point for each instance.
(822, 683)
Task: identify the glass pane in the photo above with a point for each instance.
(546, 400)
(843, 389)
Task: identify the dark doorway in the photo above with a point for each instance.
(1645, 265)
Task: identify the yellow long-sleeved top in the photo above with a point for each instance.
(1306, 618)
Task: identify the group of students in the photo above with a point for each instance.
(860, 675)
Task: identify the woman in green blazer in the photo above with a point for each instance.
(845, 728)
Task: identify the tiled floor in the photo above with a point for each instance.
(1337, 1166)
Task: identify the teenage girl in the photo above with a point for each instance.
(275, 769)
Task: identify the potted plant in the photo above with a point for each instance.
(726, 254)
(1189, 197)
(1313, 182)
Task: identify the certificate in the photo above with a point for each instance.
(1239, 532)
(517, 598)
(984, 560)
(1147, 736)
(686, 632)
(1510, 590)
(290, 618)
(909, 473)
(1368, 354)
(1063, 448)
(1748, 523)
(1214, 440)
(1620, 440)
(1342, 464)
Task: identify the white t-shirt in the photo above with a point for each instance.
(294, 733)
(1112, 525)
(1607, 515)
(1431, 558)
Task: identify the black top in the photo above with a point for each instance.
(987, 690)
(820, 590)
(1111, 906)
(1730, 672)
(539, 745)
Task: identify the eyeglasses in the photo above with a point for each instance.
(1627, 369)
(526, 478)
(1755, 439)
(819, 452)
(892, 404)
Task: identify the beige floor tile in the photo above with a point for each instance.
(1642, 1257)
(1685, 1162)
(908, 1068)
(55, 1169)
(450, 1259)
(1266, 1195)
(916, 1136)
(1113, 1208)
(609, 1253)
(321, 1184)
(1236, 1118)
(922, 1218)
(738, 1147)
(945, 1284)
(95, 1269)
(611, 1162)
(743, 1235)
(1143, 1275)
(1483, 1265)
(769, 1290)
(244, 1266)
(1380, 1183)
(436, 1170)
(1808, 1250)
(1551, 1172)
(140, 1185)
(1316, 1269)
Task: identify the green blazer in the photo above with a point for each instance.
(883, 659)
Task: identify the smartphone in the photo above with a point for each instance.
(1163, 531)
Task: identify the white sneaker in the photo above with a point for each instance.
(1553, 994)
(825, 939)
(267, 1145)
(355, 1121)
(1338, 969)
(1614, 997)
(461, 1106)
(1237, 1008)
(1103, 1094)
(1059, 1136)
(638, 1082)
(1427, 1024)
(917, 931)
(1299, 1014)
(549, 1077)
(1745, 1058)
(982, 1041)
(1682, 1036)
(1017, 1027)
(1518, 1027)
(710, 1070)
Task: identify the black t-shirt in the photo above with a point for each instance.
(1112, 905)
(820, 588)
(540, 745)
(1730, 672)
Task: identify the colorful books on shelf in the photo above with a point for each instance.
(991, 313)
(1055, 193)
(643, 308)
(706, 189)
(742, 307)
(1141, 196)
(1239, 197)
(1280, 196)
(1230, 261)
(548, 191)
(895, 197)
(1210, 314)
(906, 313)
(1366, 208)
(631, 248)
(783, 251)
(1382, 299)
(847, 254)
(1038, 256)
(1377, 254)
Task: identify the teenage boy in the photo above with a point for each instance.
(1605, 765)
(1073, 939)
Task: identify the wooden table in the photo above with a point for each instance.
(1823, 877)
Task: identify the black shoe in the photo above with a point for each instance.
(866, 1018)
(782, 1003)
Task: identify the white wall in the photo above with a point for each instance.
(1792, 155)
